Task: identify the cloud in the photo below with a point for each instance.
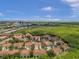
(47, 8)
(71, 1)
(48, 16)
(57, 19)
(1, 14)
(74, 4)
(43, 18)
(15, 12)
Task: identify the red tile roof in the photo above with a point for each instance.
(6, 44)
(25, 52)
(18, 44)
(12, 52)
(39, 52)
(64, 46)
(36, 37)
(47, 43)
(18, 36)
(28, 43)
(4, 36)
(2, 53)
(57, 50)
(37, 43)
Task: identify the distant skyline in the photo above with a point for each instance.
(39, 10)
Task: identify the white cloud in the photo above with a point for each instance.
(51, 18)
(57, 19)
(71, 1)
(1, 14)
(74, 4)
(48, 16)
(15, 12)
(47, 8)
(42, 18)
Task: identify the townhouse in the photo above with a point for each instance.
(35, 45)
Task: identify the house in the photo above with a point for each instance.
(25, 53)
(36, 38)
(11, 52)
(56, 50)
(39, 52)
(2, 53)
(6, 46)
(65, 47)
(18, 45)
(24, 38)
(37, 45)
(46, 37)
(60, 42)
(50, 37)
(4, 36)
(18, 36)
(54, 38)
(48, 45)
(55, 43)
(29, 36)
(28, 45)
(33, 45)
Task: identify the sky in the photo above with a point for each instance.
(39, 10)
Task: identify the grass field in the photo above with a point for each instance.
(69, 34)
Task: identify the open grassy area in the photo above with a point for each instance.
(69, 34)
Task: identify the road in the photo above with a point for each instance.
(10, 31)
